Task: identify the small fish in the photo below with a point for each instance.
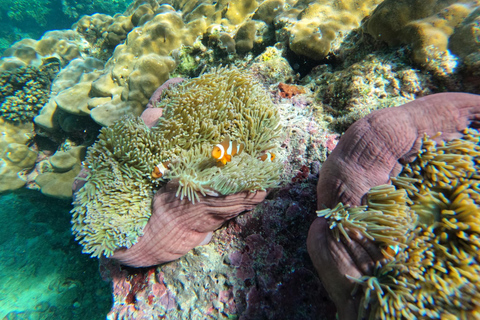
(160, 170)
(392, 251)
(225, 150)
(267, 156)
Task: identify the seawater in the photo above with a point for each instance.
(43, 274)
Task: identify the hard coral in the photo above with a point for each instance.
(15, 155)
(368, 155)
(426, 26)
(25, 90)
(196, 115)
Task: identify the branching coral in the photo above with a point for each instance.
(25, 90)
(197, 114)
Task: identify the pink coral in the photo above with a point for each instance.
(371, 151)
(374, 148)
(177, 226)
(151, 114)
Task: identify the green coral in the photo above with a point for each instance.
(25, 90)
(114, 205)
(436, 272)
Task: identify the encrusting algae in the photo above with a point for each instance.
(114, 205)
(431, 217)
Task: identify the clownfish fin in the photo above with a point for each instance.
(226, 142)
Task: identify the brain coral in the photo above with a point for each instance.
(197, 114)
(370, 152)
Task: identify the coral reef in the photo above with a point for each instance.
(58, 44)
(462, 42)
(68, 90)
(139, 44)
(314, 29)
(255, 267)
(196, 115)
(361, 86)
(322, 73)
(399, 141)
(24, 19)
(25, 90)
(427, 27)
(63, 167)
(22, 10)
(15, 154)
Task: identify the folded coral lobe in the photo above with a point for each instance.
(176, 226)
(373, 148)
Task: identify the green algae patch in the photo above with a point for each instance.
(113, 207)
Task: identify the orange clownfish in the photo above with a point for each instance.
(160, 170)
(225, 150)
(267, 156)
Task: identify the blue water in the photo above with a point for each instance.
(43, 274)
(31, 19)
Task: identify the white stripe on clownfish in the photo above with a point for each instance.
(160, 169)
(267, 156)
(225, 150)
